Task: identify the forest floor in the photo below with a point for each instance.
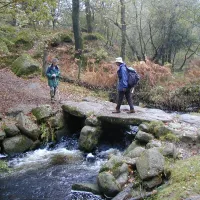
(16, 91)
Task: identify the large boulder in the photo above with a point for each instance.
(25, 65)
(11, 130)
(28, 127)
(189, 137)
(135, 152)
(144, 127)
(42, 112)
(143, 137)
(132, 146)
(119, 169)
(112, 163)
(169, 150)
(150, 164)
(17, 144)
(108, 184)
(89, 138)
(57, 121)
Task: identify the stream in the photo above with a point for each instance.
(49, 173)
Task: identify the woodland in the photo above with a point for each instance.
(159, 38)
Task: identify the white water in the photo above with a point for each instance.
(43, 157)
(49, 173)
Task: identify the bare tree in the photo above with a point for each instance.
(76, 24)
(123, 30)
(88, 16)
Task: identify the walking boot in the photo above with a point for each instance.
(131, 111)
(116, 111)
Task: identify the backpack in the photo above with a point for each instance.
(133, 77)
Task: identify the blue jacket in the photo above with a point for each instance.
(123, 77)
(53, 81)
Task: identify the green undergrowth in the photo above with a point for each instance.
(4, 166)
(184, 181)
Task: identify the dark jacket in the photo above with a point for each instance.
(53, 81)
(123, 77)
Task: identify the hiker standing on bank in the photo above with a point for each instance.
(123, 89)
(53, 74)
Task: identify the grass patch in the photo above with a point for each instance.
(184, 181)
(169, 137)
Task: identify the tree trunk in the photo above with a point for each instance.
(123, 30)
(88, 16)
(76, 26)
(44, 65)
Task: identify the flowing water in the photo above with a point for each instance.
(49, 173)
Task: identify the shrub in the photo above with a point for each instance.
(3, 48)
(93, 36)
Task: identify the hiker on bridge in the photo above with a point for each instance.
(123, 87)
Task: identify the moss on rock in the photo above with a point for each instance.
(25, 65)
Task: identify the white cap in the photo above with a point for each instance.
(119, 60)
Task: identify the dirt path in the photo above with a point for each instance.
(15, 91)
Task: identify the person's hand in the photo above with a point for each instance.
(53, 75)
(124, 89)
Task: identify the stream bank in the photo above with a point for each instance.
(155, 133)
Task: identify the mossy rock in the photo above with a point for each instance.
(58, 38)
(25, 65)
(3, 48)
(17, 144)
(42, 112)
(158, 129)
(25, 39)
(89, 138)
(108, 184)
(113, 163)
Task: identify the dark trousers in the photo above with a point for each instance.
(53, 91)
(128, 96)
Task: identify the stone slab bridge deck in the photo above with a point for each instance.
(97, 113)
(103, 111)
